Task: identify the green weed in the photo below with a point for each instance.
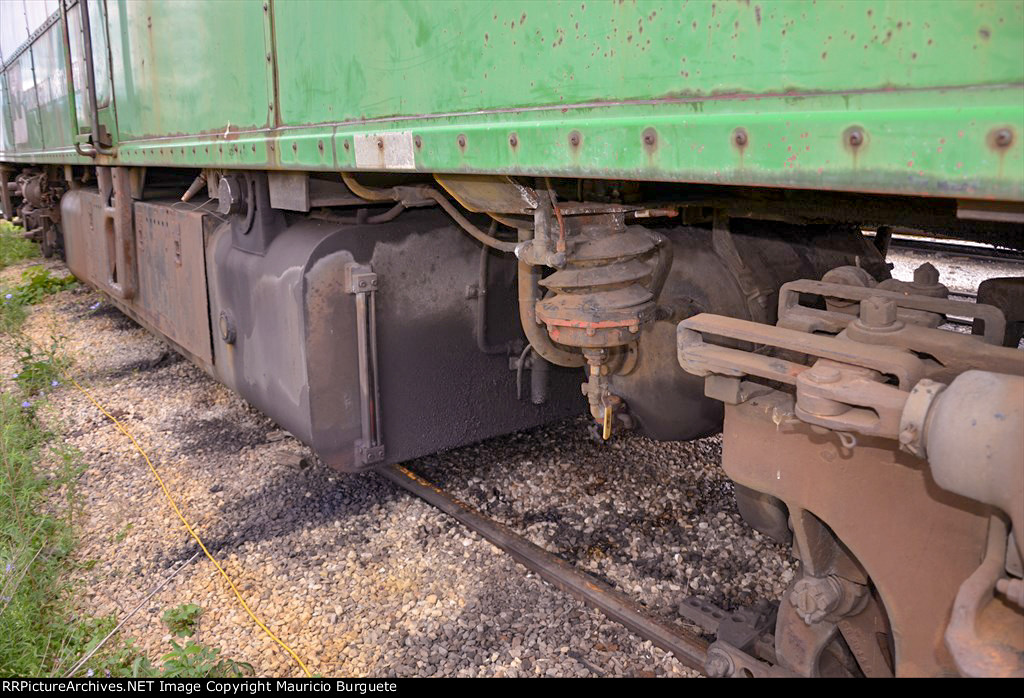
(194, 660)
(122, 534)
(14, 247)
(37, 282)
(182, 620)
(39, 369)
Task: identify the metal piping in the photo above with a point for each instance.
(426, 192)
(368, 193)
(537, 335)
(480, 235)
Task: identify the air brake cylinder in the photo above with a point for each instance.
(603, 293)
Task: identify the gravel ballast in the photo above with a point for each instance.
(357, 576)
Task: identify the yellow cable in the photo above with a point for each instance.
(194, 535)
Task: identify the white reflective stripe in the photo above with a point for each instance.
(385, 151)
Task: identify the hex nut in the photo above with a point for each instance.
(718, 665)
(815, 597)
(877, 313)
(926, 275)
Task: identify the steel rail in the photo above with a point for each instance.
(953, 248)
(689, 649)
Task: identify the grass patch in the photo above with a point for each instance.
(36, 283)
(35, 548)
(14, 247)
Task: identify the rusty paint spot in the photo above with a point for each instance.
(575, 138)
(513, 140)
(740, 138)
(461, 141)
(757, 14)
(650, 139)
(984, 33)
(1000, 138)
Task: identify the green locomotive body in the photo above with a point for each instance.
(887, 97)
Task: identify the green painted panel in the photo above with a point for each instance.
(189, 66)
(407, 57)
(639, 90)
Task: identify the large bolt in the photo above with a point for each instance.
(823, 374)
(926, 275)
(815, 597)
(718, 665)
(877, 313)
(227, 327)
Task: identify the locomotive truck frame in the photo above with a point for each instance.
(398, 228)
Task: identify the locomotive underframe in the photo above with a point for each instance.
(389, 333)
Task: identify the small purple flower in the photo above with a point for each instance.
(8, 569)
(90, 673)
(15, 376)
(26, 404)
(54, 383)
(95, 305)
(9, 296)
